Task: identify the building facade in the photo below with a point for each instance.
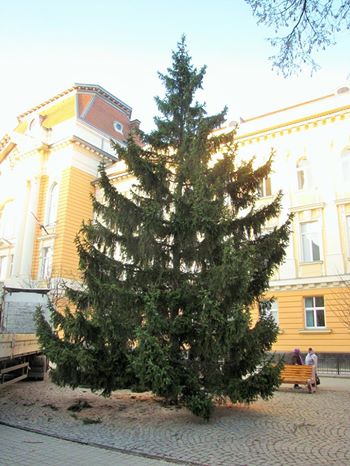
(49, 163)
(311, 145)
(47, 166)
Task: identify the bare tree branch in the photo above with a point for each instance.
(302, 28)
(339, 301)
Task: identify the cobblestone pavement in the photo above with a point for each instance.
(24, 448)
(293, 428)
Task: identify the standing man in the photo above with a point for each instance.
(311, 360)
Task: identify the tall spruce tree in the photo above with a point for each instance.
(171, 271)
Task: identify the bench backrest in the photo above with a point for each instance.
(296, 373)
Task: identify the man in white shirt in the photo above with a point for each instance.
(311, 358)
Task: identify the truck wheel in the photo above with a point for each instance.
(37, 367)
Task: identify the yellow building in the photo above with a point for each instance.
(47, 165)
(311, 141)
(49, 162)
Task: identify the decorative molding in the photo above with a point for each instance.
(91, 148)
(6, 139)
(293, 126)
(83, 88)
(85, 125)
(120, 176)
(95, 88)
(309, 331)
(345, 200)
(338, 283)
(318, 205)
(84, 144)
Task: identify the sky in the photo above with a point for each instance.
(46, 47)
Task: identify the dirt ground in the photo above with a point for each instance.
(38, 398)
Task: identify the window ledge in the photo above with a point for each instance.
(47, 237)
(311, 263)
(315, 330)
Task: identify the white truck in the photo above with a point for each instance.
(20, 355)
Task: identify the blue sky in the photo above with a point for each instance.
(121, 45)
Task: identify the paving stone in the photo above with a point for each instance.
(295, 428)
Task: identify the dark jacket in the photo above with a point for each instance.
(297, 359)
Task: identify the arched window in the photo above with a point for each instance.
(52, 205)
(3, 266)
(347, 233)
(264, 188)
(345, 165)
(8, 221)
(302, 173)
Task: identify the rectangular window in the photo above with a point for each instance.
(301, 179)
(345, 161)
(314, 312)
(46, 262)
(8, 221)
(52, 205)
(270, 307)
(11, 260)
(348, 232)
(265, 187)
(310, 241)
(2, 268)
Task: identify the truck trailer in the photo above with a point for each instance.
(20, 354)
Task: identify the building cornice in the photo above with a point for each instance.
(84, 144)
(344, 200)
(295, 125)
(4, 141)
(46, 102)
(92, 148)
(83, 123)
(309, 283)
(290, 107)
(6, 149)
(99, 90)
(301, 208)
(95, 88)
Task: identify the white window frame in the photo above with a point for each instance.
(347, 226)
(274, 310)
(313, 310)
(303, 172)
(46, 262)
(265, 187)
(52, 205)
(301, 178)
(3, 267)
(11, 259)
(8, 223)
(271, 308)
(118, 127)
(345, 166)
(309, 239)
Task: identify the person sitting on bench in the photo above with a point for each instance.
(297, 360)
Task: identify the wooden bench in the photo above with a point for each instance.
(303, 375)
